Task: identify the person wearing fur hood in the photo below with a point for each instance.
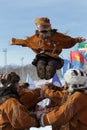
(13, 114)
(72, 114)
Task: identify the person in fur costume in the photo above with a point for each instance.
(47, 43)
(13, 114)
(72, 114)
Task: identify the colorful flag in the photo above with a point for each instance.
(77, 59)
(56, 81)
(82, 48)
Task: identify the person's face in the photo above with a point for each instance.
(41, 27)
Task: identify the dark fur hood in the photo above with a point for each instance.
(8, 92)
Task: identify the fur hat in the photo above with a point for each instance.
(75, 76)
(11, 77)
(76, 80)
(42, 21)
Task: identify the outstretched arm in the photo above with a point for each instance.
(80, 39)
(68, 41)
(20, 42)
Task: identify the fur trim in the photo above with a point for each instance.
(41, 120)
(42, 21)
(8, 92)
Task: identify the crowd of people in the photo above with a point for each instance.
(67, 109)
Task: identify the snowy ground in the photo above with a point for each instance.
(42, 128)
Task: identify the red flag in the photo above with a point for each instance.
(76, 56)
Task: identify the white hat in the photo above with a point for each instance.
(75, 76)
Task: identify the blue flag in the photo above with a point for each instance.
(56, 81)
(66, 66)
(76, 64)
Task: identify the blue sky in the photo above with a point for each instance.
(17, 20)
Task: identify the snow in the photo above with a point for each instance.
(42, 128)
(41, 81)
